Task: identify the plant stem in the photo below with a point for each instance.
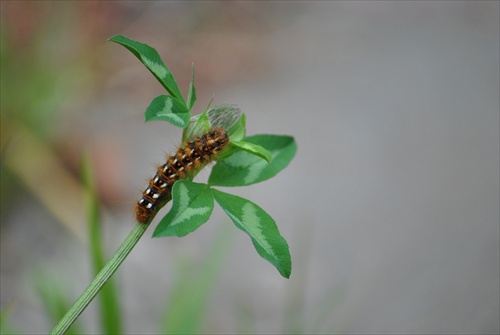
(102, 277)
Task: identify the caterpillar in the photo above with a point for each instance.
(188, 159)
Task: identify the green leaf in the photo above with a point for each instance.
(192, 91)
(192, 206)
(151, 59)
(198, 125)
(227, 117)
(237, 132)
(254, 149)
(243, 168)
(167, 108)
(261, 228)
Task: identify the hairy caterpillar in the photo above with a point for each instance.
(188, 159)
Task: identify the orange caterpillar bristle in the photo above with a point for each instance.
(189, 158)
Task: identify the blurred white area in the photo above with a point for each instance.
(391, 206)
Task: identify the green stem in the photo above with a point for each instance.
(107, 271)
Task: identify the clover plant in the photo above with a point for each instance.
(247, 160)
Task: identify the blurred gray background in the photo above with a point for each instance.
(390, 208)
